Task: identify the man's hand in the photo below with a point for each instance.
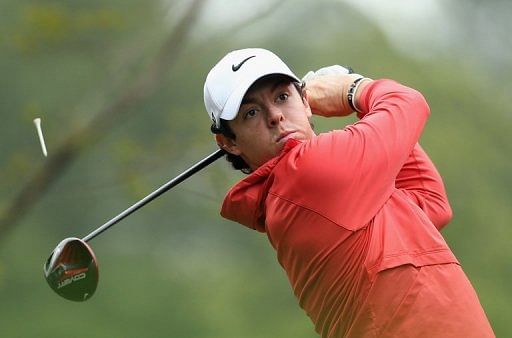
(327, 90)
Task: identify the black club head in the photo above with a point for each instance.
(72, 270)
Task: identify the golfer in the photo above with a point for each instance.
(353, 214)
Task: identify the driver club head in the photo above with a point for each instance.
(72, 270)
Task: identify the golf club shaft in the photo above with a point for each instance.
(175, 181)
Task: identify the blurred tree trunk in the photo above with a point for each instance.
(104, 119)
(101, 123)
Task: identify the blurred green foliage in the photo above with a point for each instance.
(176, 269)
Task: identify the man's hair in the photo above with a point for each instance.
(237, 162)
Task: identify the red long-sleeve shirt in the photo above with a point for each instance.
(344, 207)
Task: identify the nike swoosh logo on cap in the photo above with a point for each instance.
(237, 67)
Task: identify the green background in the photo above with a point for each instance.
(118, 86)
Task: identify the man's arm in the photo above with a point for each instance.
(363, 160)
(420, 180)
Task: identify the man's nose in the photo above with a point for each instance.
(275, 115)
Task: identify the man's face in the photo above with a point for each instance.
(271, 112)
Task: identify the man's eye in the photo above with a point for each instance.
(282, 97)
(250, 113)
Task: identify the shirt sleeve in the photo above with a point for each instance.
(360, 163)
(422, 183)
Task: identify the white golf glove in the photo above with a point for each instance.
(330, 70)
(327, 90)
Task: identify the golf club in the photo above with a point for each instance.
(71, 270)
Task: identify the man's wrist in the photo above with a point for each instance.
(351, 94)
(358, 87)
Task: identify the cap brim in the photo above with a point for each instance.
(235, 99)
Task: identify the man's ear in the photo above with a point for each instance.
(306, 103)
(227, 144)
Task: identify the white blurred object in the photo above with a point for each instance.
(37, 122)
(330, 70)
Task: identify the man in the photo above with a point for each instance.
(353, 214)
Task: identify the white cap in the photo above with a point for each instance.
(228, 81)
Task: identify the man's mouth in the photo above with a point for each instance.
(284, 135)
